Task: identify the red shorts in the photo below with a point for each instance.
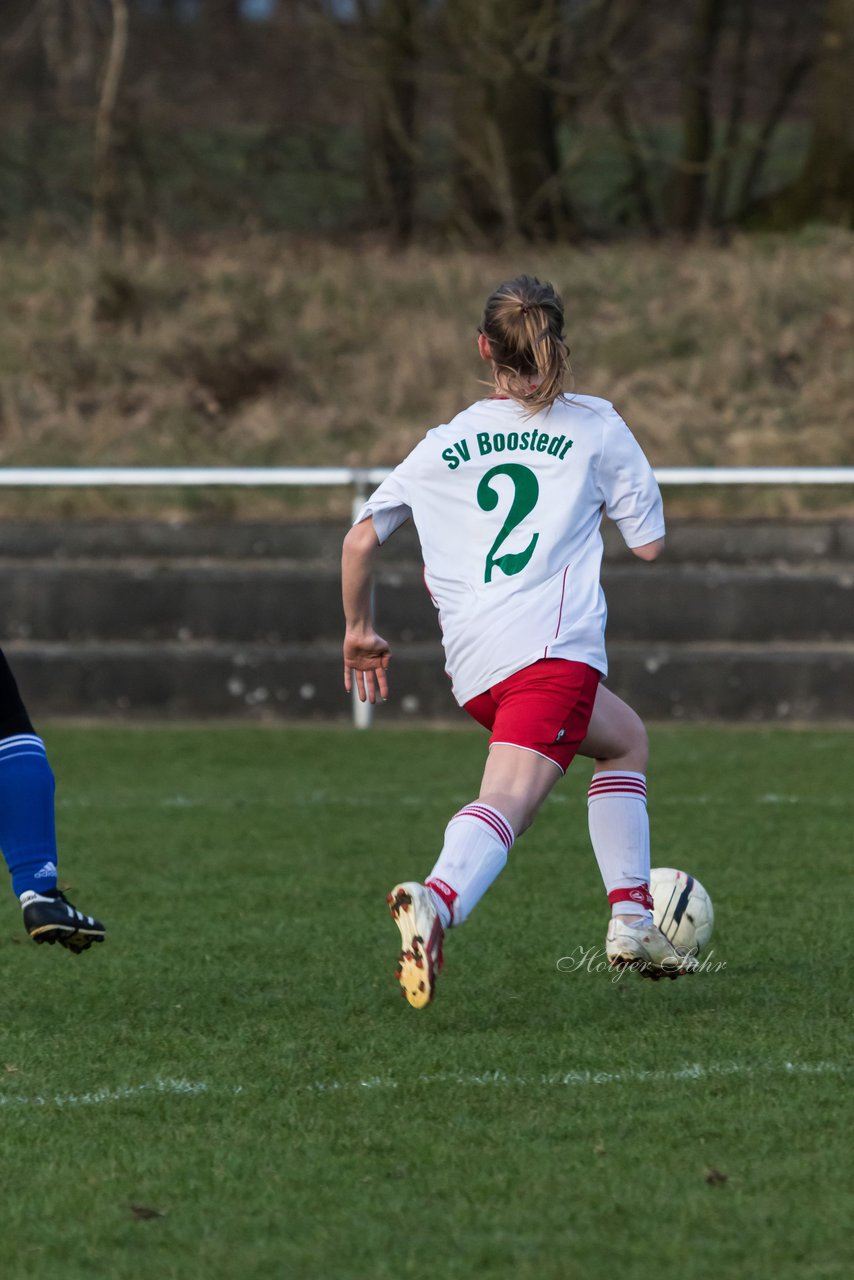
(545, 708)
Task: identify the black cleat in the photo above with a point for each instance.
(50, 917)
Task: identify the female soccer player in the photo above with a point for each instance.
(27, 831)
(507, 500)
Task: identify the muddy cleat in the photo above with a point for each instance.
(414, 912)
(50, 917)
(644, 947)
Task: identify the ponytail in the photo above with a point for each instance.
(523, 321)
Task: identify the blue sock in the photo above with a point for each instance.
(27, 831)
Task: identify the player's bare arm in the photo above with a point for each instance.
(650, 550)
(366, 654)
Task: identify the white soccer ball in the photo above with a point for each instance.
(682, 909)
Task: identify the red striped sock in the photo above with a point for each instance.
(477, 841)
(619, 832)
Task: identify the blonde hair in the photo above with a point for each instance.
(523, 321)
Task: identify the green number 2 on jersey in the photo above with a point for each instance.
(526, 491)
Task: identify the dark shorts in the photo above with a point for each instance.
(544, 708)
(13, 713)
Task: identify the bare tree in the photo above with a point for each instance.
(508, 170)
(748, 208)
(392, 39)
(612, 20)
(104, 180)
(66, 29)
(824, 191)
(735, 115)
(689, 195)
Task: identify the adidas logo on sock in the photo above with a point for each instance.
(48, 872)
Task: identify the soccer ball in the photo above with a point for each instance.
(682, 909)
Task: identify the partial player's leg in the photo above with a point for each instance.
(617, 815)
(619, 832)
(27, 829)
(477, 842)
(537, 717)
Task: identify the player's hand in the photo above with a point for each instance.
(366, 659)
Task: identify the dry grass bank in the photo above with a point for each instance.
(276, 352)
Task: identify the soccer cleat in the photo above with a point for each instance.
(50, 917)
(414, 912)
(645, 948)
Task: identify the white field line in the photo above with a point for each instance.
(195, 1088)
(694, 1072)
(369, 800)
(181, 1088)
(226, 804)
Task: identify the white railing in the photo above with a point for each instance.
(271, 477)
(82, 477)
(362, 480)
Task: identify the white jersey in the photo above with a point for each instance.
(508, 507)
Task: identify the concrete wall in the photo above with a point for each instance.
(737, 622)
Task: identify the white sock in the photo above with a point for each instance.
(477, 842)
(619, 832)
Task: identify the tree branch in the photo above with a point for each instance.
(104, 177)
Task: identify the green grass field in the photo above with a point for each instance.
(231, 1087)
